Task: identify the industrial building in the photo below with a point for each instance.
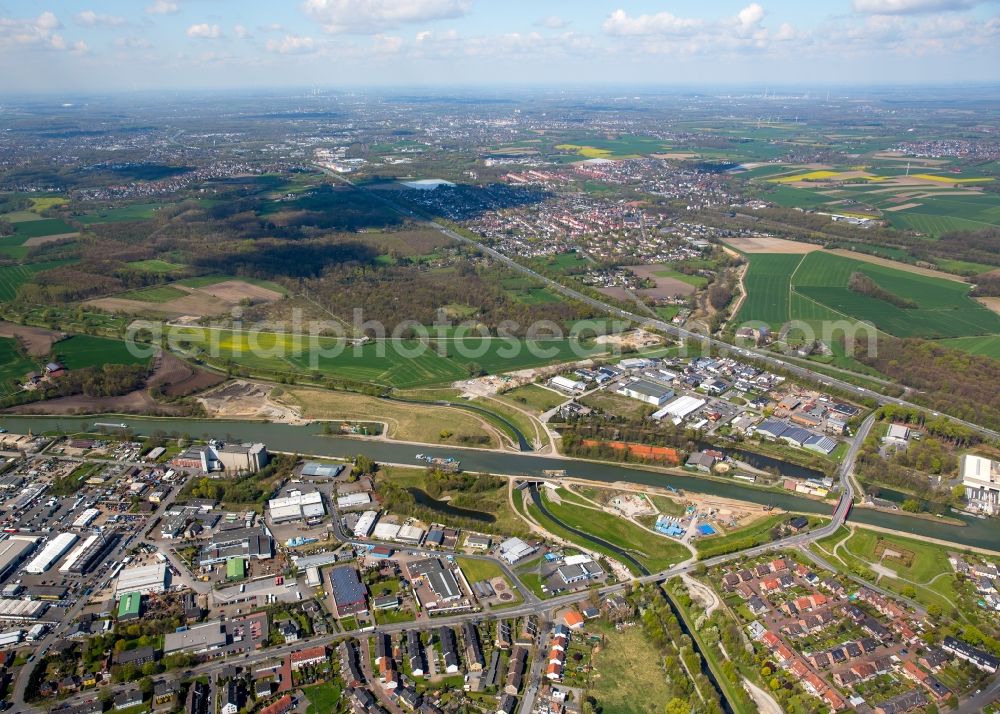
(196, 640)
(440, 579)
(353, 500)
(796, 436)
(680, 409)
(515, 549)
(22, 609)
(252, 543)
(363, 528)
(296, 506)
(385, 531)
(231, 458)
(88, 554)
(86, 518)
(143, 579)
(316, 470)
(129, 607)
(51, 553)
(349, 594)
(13, 551)
(981, 479)
(567, 385)
(646, 390)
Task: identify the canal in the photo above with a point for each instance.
(309, 439)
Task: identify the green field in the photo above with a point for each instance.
(155, 266)
(400, 363)
(43, 227)
(534, 397)
(134, 212)
(768, 286)
(203, 281)
(626, 665)
(696, 280)
(160, 293)
(813, 288)
(988, 346)
(13, 366)
(81, 351)
(13, 276)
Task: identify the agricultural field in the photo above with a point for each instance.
(81, 351)
(622, 147)
(13, 366)
(42, 227)
(160, 267)
(988, 346)
(13, 276)
(814, 287)
(160, 293)
(400, 363)
(697, 281)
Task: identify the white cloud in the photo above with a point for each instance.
(80, 47)
(662, 23)
(204, 31)
(553, 22)
(909, 7)
(373, 16)
(89, 18)
(38, 32)
(749, 17)
(291, 45)
(162, 7)
(241, 31)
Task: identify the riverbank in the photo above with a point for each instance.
(950, 520)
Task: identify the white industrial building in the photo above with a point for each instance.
(143, 579)
(353, 500)
(51, 553)
(78, 551)
(567, 385)
(514, 549)
(410, 534)
(680, 408)
(647, 390)
(86, 518)
(385, 531)
(981, 478)
(313, 577)
(22, 609)
(363, 528)
(296, 506)
(13, 551)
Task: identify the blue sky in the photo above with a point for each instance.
(97, 45)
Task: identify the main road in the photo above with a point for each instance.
(653, 323)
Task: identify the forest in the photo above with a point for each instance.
(962, 385)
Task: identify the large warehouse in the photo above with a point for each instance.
(680, 408)
(51, 553)
(296, 506)
(143, 579)
(646, 390)
(13, 551)
(88, 553)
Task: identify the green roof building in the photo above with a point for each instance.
(129, 606)
(236, 569)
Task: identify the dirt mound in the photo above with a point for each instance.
(177, 378)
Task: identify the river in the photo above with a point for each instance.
(309, 439)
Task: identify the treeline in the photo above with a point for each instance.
(986, 285)
(951, 381)
(864, 285)
(109, 380)
(939, 426)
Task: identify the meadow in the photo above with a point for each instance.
(80, 351)
(160, 293)
(399, 363)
